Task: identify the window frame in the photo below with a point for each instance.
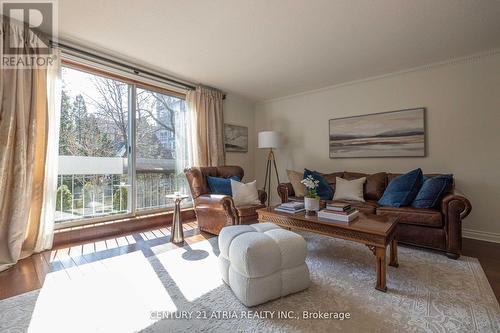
(132, 109)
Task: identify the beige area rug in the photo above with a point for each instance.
(142, 291)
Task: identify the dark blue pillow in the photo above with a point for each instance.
(403, 189)
(221, 185)
(432, 191)
(325, 191)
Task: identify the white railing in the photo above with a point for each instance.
(96, 195)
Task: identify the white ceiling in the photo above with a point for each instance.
(263, 49)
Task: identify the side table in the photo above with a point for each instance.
(177, 233)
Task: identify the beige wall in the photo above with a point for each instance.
(238, 111)
(463, 129)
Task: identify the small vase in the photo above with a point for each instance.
(311, 204)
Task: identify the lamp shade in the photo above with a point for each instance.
(269, 139)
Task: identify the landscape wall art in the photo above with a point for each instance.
(388, 134)
(235, 138)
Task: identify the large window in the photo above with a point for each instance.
(159, 127)
(117, 156)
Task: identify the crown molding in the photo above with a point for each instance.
(453, 61)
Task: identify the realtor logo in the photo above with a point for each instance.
(29, 48)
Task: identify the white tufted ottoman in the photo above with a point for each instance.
(262, 262)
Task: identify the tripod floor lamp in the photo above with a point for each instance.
(269, 140)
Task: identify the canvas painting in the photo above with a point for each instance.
(235, 138)
(388, 134)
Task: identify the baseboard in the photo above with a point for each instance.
(481, 235)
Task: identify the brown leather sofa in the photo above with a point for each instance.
(215, 211)
(439, 229)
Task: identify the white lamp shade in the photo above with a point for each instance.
(269, 139)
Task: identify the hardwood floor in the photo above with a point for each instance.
(30, 273)
(488, 255)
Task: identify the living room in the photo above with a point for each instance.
(250, 166)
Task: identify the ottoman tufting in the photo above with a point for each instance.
(262, 262)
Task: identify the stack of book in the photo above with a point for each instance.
(290, 207)
(339, 212)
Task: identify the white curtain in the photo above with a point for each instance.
(47, 215)
(29, 126)
(206, 107)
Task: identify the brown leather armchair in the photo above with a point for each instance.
(215, 211)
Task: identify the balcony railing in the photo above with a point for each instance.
(82, 196)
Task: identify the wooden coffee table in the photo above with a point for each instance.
(376, 232)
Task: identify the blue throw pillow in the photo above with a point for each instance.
(325, 191)
(432, 191)
(403, 189)
(221, 185)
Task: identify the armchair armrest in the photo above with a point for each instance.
(454, 208)
(262, 196)
(214, 201)
(215, 211)
(285, 190)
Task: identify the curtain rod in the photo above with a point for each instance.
(135, 70)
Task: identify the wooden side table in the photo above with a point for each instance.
(177, 232)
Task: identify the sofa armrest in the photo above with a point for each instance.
(456, 205)
(285, 190)
(262, 196)
(454, 208)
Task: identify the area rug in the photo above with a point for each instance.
(181, 291)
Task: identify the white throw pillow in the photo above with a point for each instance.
(244, 194)
(349, 189)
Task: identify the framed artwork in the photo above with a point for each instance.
(235, 138)
(388, 134)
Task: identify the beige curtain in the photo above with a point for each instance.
(206, 106)
(23, 148)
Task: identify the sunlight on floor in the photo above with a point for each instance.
(111, 295)
(197, 280)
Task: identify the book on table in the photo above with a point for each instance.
(278, 209)
(339, 206)
(290, 207)
(338, 216)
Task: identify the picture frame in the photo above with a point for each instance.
(235, 138)
(400, 133)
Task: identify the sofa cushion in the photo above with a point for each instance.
(410, 215)
(375, 184)
(350, 189)
(295, 179)
(244, 194)
(220, 185)
(403, 189)
(432, 191)
(324, 190)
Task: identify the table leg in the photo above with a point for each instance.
(394, 253)
(381, 269)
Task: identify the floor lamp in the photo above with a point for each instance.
(269, 140)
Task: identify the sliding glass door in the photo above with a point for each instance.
(120, 149)
(93, 156)
(160, 126)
